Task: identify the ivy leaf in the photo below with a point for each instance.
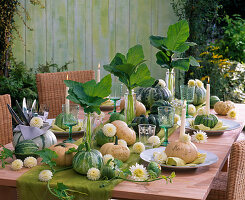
(47, 155)
(61, 192)
(127, 172)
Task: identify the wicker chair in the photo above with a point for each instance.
(231, 185)
(51, 88)
(6, 132)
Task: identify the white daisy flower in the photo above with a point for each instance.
(108, 157)
(199, 83)
(199, 137)
(176, 118)
(138, 147)
(139, 172)
(191, 109)
(232, 114)
(122, 142)
(36, 122)
(17, 165)
(45, 175)
(160, 157)
(155, 140)
(30, 162)
(201, 111)
(191, 83)
(109, 130)
(161, 83)
(185, 138)
(93, 174)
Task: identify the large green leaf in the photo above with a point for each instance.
(162, 59)
(135, 55)
(184, 47)
(181, 63)
(158, 41)
(119, 59)
(193, 62)
(177, 35)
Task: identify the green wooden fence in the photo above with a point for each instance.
(88, 32)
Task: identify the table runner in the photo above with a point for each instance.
(29, 187)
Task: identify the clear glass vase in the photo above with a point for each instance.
(88, 128)
(170, 81)
(130, 109)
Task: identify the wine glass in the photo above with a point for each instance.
(166, 120)
(187, 93)
(70, 118)
(116, 93)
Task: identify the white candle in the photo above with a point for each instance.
(98, 73)
(67, 102)
(208, 99)
(182, 126)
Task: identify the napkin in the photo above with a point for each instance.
(30, 132)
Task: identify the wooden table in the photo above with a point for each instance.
(188, 184)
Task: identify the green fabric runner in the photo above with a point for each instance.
(29, 187)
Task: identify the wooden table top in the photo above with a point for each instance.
(188, 184)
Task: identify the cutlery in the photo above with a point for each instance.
(33, 106)
(22, 115)
(14, 115)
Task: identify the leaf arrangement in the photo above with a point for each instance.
(4, 154)
(172, 46)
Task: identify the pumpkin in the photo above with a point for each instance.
(84, 160)
(107, 172)
(140, 107)
(116, 150)
(124, 132)
(155, 167)
(101, 138)
(151, 94)
(157, 104)
(199, 95)
(142, 119)
(222, 108)
(43, 141)
(187, 151)
(207, 120)
(213, 100)
(25, 149)
(116, 116)
(63, 159)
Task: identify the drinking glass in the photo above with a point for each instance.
(145, 132)
(116, 93)
(166, 120)
(43, 111)
(70, 118)
(187, 93)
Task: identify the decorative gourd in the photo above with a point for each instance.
(222, 108)
(155, 167)
(142, 119)
(84, 160)
(157, 104)
(199, 95)
(151, 94)
(63, 159)
(43, 141)
(116, 150)
(107, 172)
(140, 107)
(213, 100)
(207, 120)
(124, 132)
(101, 138)
(25, 149)
(187, 151)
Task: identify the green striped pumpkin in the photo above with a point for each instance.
(213, 100)
(43, 141)
(157, 104)
(84, 160)
(25, 148)
(199, 96)
(155, 167)
(207, 120)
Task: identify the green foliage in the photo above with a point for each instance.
(52, 67)
(130, 69)
(89, 95)
(4, 154)
(232, 44)
(172, 46)
(61, 192)
(47, 155)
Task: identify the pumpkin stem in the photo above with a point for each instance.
(61, 144)
(87, 146)
(116, 140)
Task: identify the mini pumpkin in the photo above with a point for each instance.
(63, 158)
(116, 150)
(140, 107)
(124, 132)
(222, 108)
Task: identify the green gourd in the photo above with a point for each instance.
(86, 159)
(25, 149)
(107, 172)
(101, 138)
(207, 120)
(157, 104)
(213, 100)
(199, 95)
(155, 167)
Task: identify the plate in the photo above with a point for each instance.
(211, 158)
(226, 122)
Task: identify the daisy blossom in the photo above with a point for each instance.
(93, 174)
(155, 140)
(108, 157)
(199, 83)
(17, 165)
(199, 137)
(139, 172)
(36, 122)
(191, 83)
(186, 138)
(138, 147)
(30, 162)
(109, 130)
(191, 109)
(45, 175)
(160, 157)
(232, 114)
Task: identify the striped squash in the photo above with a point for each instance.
(84, 160)
(207, 120)
(43, 141)
(25, 148)
(199, 96)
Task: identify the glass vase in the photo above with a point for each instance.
(88, 128)
(130, 102)
(170, 81)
